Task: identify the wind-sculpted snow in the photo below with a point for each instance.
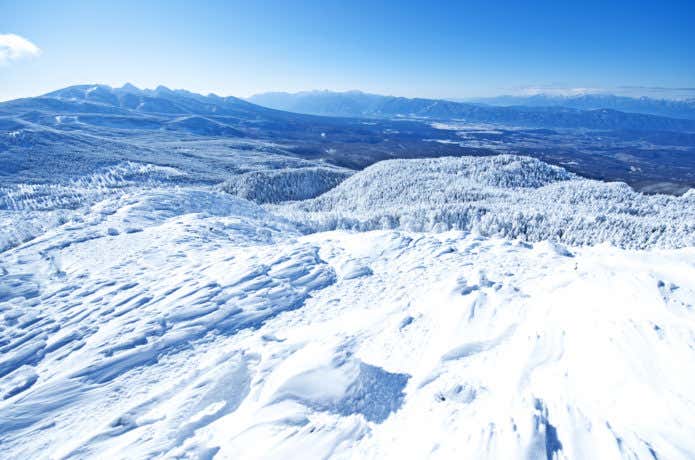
(277, 185)
(147, 315)
(143, 280)
(510, 196)
(192, 324)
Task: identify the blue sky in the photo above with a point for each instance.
(429, 49)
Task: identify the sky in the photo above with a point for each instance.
(437, 49)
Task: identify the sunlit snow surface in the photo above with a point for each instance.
(156, 321)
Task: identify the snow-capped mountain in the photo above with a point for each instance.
(158, 100)
(358, 104)
(662, 107)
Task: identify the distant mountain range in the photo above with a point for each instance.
(662, 107)
(358, 104)
(129, 107)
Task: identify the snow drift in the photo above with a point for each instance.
(193, 324)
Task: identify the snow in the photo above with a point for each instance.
(288, 184)
(505, 195)
(159, 319)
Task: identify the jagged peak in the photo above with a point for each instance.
(129, 87)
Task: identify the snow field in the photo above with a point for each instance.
(187, 323)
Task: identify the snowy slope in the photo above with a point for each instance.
(504, 195)
(278, 185)
(176, 321)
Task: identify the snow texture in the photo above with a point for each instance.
(147, 315)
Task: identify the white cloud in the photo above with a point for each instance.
(14, 47)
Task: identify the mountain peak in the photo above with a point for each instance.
(130, 87)
(162, 89)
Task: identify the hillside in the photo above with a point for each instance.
(508, 196)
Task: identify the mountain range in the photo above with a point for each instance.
(131, 106)
(651, 106)
(79, 128)
(593, 115)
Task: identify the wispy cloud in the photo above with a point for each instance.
(13, 47)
